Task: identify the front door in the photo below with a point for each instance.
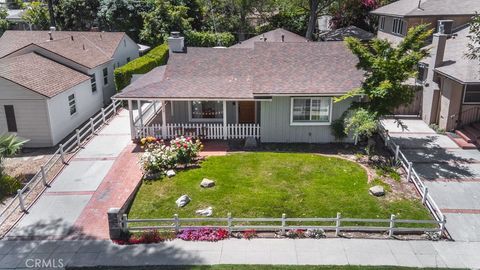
(246, 112)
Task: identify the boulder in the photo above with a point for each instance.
(152, 176)
(183, 200)
(170, 173)
(377, 191)
(206, 183)
(205, 212)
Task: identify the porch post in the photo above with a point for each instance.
(164, 119)
(225, 135)
(140, 113)
(130, 114)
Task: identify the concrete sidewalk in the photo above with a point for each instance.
(16, 255)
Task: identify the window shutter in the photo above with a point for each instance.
(10, 115)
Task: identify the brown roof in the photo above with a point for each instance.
(271, 36)
(40, 74)
(269, 69)
(89, 49)
(407, 8)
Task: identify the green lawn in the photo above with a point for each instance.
(266, 184)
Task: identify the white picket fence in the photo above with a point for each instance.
(201, 130)
(336, 224)
(26, 196)
(412, 176)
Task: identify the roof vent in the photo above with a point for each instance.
(176, 43)
(50, 35)
(283, 38)
(53, 28)
(83, 46)
(71, 37)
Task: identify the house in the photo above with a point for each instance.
(349, 31)
(396, 18)
(51, 82)
(275, 91)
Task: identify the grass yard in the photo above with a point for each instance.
(266, 184)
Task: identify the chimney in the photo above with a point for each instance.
(176, 43)
(439, 42)
(50, 35)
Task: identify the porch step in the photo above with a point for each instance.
(460, 141)
(465, 135)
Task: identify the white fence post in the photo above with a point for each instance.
(442, 224)
(20, 200)
(425, 193)
(397, 151)
(229, 222)
(124, 223)
(103, 116)
(177, 223)
(338, 224)
(114, 106)
(409, 173)
(77, 131)
(284, 223)
(92, 126)
(62, 154)
(44, 175)
(392, 225)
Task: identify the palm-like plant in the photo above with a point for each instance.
(9, 145)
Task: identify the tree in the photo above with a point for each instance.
(164, 18)
(123, 15)
(3, 20)
(51, 12)
(77, 15)
(474, 37)
(386, 68)
(37, 16)
(315, 8)
(9, 146)
(355, 12)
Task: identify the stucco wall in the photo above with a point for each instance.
(450, 103)
(30, 114)
(275, 123)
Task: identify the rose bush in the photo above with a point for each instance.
(186, 149)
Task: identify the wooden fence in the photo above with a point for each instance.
(27, 195)
(201, 130)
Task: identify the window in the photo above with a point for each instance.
(10, 115)
(310, 111)
(422, 72)
(211, 111)
(398, 26)
(382, 23)
(72, 104)
(93, 82)
(472, 93)
(105, 76)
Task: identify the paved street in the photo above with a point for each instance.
(452, 174)
(256, 251)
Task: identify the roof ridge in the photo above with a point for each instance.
(93, 44)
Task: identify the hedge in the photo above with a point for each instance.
(156, 57)
(209, 39)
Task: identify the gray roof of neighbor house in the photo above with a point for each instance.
(455, 64)
(39, 74)
(271, 36)
(268, 69)
(88, 49)
(407, 8)
(349, 31)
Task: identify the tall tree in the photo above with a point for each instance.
(76, 15)
(37, 16)
(51, 12)
(3, 20)
(315, 8)
(386, 69)
(474, 38)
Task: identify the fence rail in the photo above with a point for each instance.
(336, 224)
(412, 176)
(201, 130)
(27, 195)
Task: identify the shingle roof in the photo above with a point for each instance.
(405, 8)
(40, 74)
(350, 31)
(271, 36)
(99, 46)
(268, 69)
(455, 63)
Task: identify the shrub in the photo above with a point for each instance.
(203, 234)
(295, 233)
(209, 39)
(158, 158)
(156, 57)
(249, 234)
(315, 233)
(186, 149)
(9, 185)
(145, 237)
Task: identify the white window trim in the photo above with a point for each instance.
(464, 94)
(381, 24)
(203, 120)
(330, 110)
(404, 23)
(75, 103)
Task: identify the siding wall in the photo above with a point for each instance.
(30, 114)
(275, 123)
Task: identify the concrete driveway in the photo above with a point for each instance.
(452, 174)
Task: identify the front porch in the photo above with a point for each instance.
(210, 120)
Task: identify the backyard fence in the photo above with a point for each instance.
(413, 177)
(27, 195)
(200, 130)
(337, 224)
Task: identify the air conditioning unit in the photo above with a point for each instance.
(445, 27)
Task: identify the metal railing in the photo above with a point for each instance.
(28, 194)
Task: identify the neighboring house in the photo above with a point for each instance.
(342, 33)
(275, 91)
(51, 82)
(15, 20)
(396, 18)
(277, 35)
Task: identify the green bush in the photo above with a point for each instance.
(9, 185)
(156, 57)
(209, 39)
